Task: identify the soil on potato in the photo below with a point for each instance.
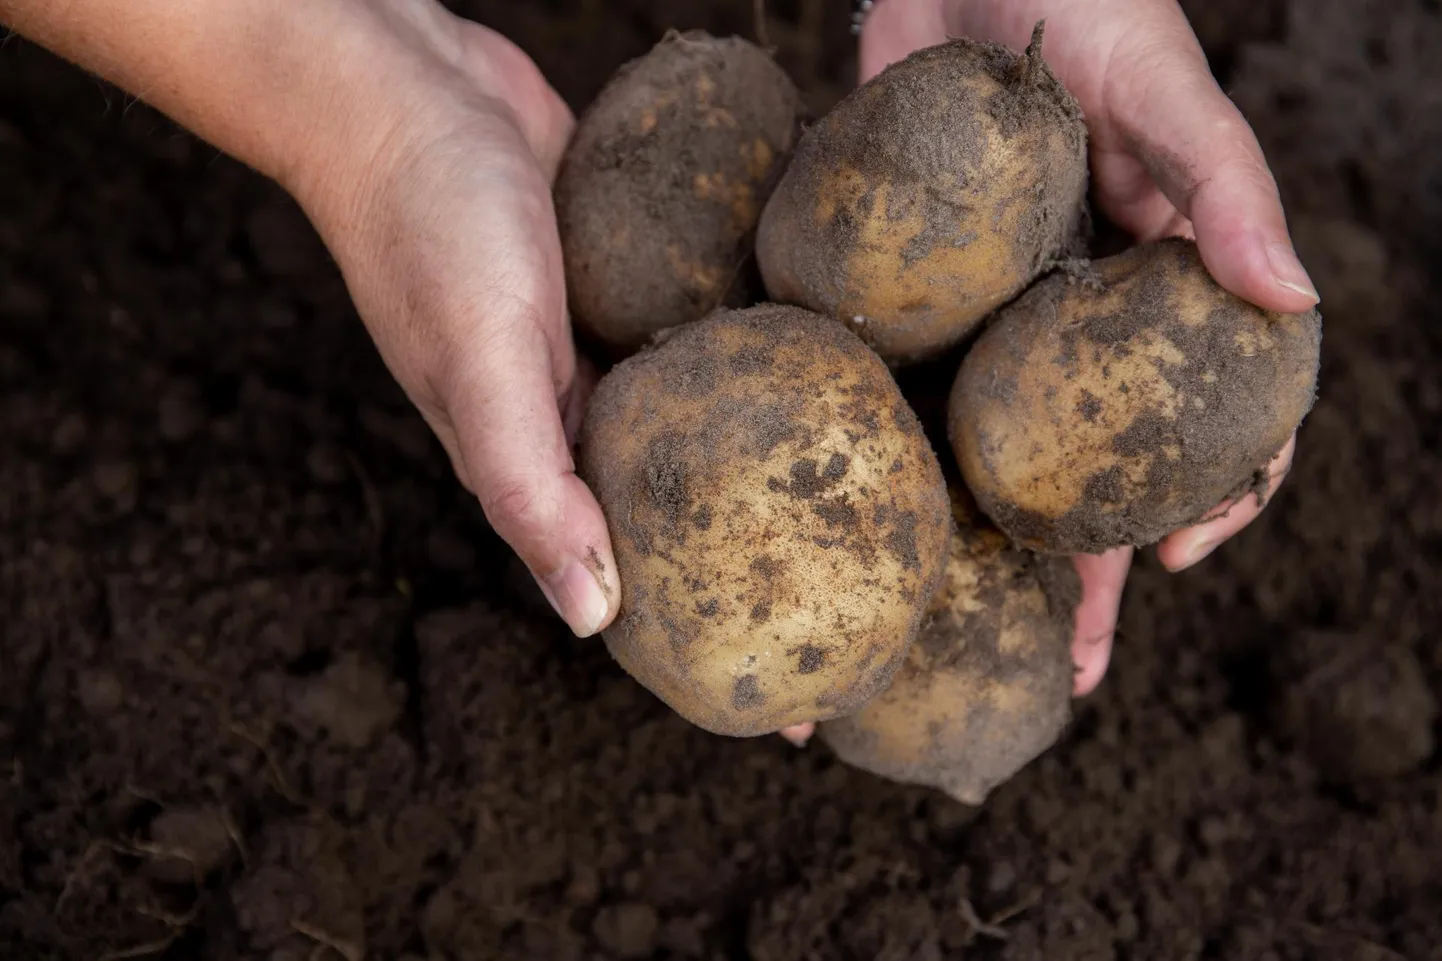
(270, 689)
(1238, 415)
(623, 206)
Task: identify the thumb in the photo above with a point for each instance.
(1200, 150)
(509, 438)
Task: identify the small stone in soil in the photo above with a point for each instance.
(355, 700)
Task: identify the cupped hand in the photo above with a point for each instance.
(448, 242)
(1170, 155)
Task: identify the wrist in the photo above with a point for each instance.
(415, 77)
(360, 88)
(264, 80)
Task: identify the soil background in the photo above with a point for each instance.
(271, 689)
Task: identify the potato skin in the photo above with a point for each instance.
(987, 685)
(930, 196)
(662, 185)
(778, 518)
(1116, 407)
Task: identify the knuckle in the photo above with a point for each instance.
(480, 328)
(1239, 156)
(517, 507)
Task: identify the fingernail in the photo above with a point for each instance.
(1289, 272)
(576, 595)
(1195, 553)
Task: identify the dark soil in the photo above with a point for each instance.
(270, 689)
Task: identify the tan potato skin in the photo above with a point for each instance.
(778, 518)
(1118, 407)
(986, 687)
(929, 197)
(662, 185)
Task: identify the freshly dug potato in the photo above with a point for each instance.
(986, 687)
(778, 518)
(930, 196)
(662, 185)
(1118, 406)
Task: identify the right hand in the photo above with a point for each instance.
(1170, 155)
(448, 241)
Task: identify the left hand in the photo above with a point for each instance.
(1170, 155)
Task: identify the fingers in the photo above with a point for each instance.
(1128, 195)
(895, 29)
(501, 394)
(1103, 577)
(573, 404)
(1185, 548)
(1200, 150)
(798, 734)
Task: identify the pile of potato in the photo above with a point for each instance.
(790, 546)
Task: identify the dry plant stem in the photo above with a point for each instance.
(993, 929)
(177, 923)
(1026, 65)
(160, 852)
(173, 920)
(278, 777)
(232, 831)
(976, 925)
(134, 849)
(325, 939)
(158, 946)
(70, 879)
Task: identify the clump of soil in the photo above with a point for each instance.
(1361, 710)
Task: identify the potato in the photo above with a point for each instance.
(930, 196)
(986, 687)
(778, 518)
(662, 185)
(1118, 406)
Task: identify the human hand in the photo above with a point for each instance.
(448, 242)
(1170, 155)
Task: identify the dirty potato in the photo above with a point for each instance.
(930, 196)
(661, 188)
(779, 520)
(1125, 401)
(986, 686)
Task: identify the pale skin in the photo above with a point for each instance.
(422, 147)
